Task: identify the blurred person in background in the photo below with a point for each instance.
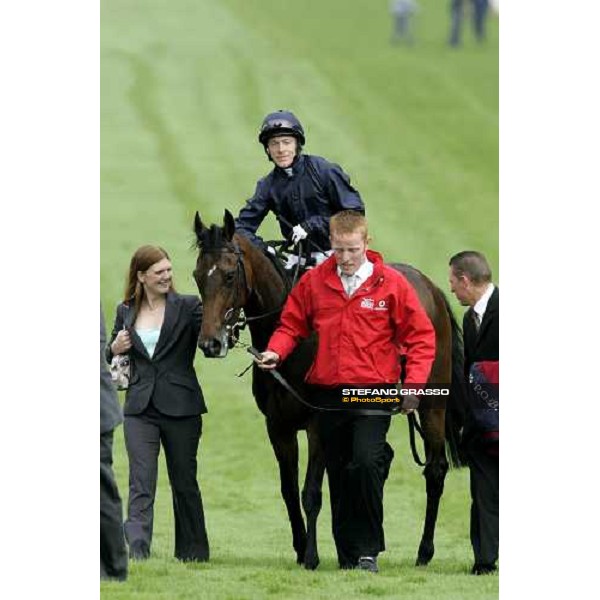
(402, 11)
(159, 329)
(302, 190)
(471, 282)
(113, 553)
(479, 9)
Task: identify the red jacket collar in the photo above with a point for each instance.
(329, 267)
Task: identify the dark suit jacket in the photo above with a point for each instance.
(110, 411)
(480, 346)
(168, 378)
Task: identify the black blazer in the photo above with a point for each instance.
(168, 378)
(110, 411)
(482, 345)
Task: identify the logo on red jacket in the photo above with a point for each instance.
(382, 305)
(367, 303)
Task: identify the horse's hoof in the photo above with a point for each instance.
(310, 564)
(424, 556)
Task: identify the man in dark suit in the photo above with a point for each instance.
(471, 283)
(113, 554)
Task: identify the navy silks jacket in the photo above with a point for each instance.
(316, 190)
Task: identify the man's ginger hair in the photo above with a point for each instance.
(348, 221)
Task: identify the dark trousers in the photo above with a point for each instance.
(484, 471)
(113, 554)
(402, 28)
(357, 460)
(479, 15)
(180, 437)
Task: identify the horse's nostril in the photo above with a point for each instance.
(211, 348)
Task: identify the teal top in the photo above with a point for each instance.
(149, 338)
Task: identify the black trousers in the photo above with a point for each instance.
(113, 554)
(357, 460)
(485, 501)
(180, 437)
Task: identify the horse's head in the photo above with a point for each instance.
(222, 282)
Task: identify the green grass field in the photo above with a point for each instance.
(184, 86)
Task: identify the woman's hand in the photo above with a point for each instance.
(122, 342)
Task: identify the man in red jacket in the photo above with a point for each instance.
(365, 314)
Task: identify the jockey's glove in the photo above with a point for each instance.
(298, 233)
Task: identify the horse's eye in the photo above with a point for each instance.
(229, 277)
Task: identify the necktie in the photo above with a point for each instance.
(351, 284)
(477, 321)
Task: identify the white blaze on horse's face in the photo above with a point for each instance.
(282, 149)
(350, 250)
(212, 270)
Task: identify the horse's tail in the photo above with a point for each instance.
(457, 400)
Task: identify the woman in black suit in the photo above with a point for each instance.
(159, 329)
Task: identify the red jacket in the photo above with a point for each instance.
(359, 337)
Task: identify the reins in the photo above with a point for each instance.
(412, 418)
(279, 377)
(412, 425)
(313, 244)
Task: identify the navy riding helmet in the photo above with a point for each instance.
(282, 122)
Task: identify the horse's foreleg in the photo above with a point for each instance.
(436, 467)
(312, 494)
(285, 446)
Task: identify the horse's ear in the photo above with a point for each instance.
(228, 225)
(198, 225)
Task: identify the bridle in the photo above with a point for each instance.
(235, 319)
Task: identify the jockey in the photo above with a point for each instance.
(302, 190)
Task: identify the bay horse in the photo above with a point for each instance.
(233, 274)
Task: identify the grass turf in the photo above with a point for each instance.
(184, 86)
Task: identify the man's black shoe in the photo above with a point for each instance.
(483, 569)
(368, 563)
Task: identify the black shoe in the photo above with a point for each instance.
(368, 563)
(483, 569)
(139, 550)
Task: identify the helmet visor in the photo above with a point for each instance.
(275, 124)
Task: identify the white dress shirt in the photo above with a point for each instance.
(353, 282)
(481, 304)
